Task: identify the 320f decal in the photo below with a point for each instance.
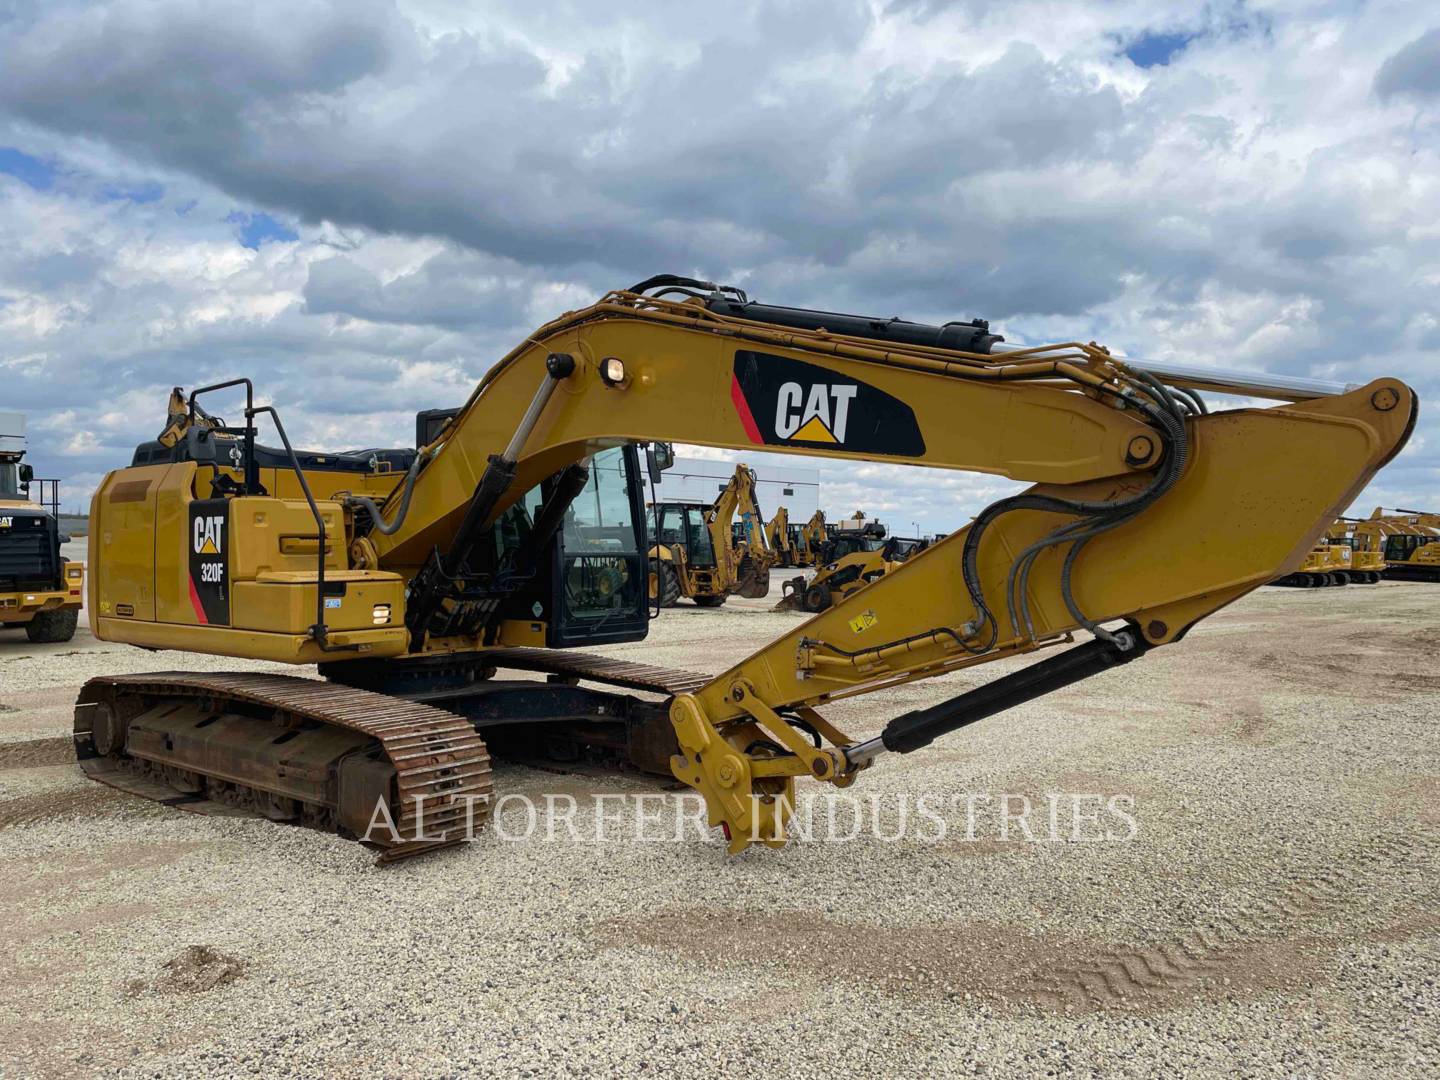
(210, 561)
(785, 402)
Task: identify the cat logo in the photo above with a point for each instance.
(824, 416)
(781, 401)
(6, 522)
(209, 533)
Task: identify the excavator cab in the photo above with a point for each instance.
(591, 580)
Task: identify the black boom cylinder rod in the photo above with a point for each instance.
(912, 730)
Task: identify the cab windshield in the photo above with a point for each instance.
(600, 521)
(9, 479)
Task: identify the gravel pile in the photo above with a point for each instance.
(1273, 914)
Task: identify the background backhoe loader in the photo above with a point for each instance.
(808, 541)
(703, 554)
(784, 539)
(518, 535)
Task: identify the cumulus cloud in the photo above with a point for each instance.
(1413, 71)
(364, 203)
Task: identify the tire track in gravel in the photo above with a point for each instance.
(37, 753)
(1230, 948)
(92, 800)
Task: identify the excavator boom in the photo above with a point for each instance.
(1146, 513)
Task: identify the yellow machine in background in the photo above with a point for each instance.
(698, 557)
(40, 589)
(851, 572)
(809, 541)
(783, 539)
(1325, 565)
(795, 545)
(1367, 560)
(1409, 541)
(519, 532)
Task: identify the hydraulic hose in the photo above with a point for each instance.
(407, 488)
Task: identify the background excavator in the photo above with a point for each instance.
(1409, 540)
(40, 589)
(1327, 564)
(703, 554)
(519, 533)
(1367, 560)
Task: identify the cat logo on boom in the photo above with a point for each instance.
(786, 402)
(823, 417)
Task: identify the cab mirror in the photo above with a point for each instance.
(27, 473)
(659, 457)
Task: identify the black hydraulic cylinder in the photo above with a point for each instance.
(972, 337)
(499, 474)
(913, 730)
(568, 485)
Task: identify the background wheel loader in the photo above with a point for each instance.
(39, 588)
(518, 534)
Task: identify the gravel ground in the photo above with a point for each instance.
(1276, 912)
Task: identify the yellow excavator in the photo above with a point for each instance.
(698, 555)
(1326, 565)
(40, 590)
(1366, 559)
(518, 535)
(1409, 541)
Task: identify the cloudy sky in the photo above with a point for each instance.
(363, 203)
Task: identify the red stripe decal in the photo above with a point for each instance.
(195, 603)
(747, 419)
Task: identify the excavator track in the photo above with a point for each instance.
(289, 749)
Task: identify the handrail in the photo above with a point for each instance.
(319, 631)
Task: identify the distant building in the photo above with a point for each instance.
(700, 480)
